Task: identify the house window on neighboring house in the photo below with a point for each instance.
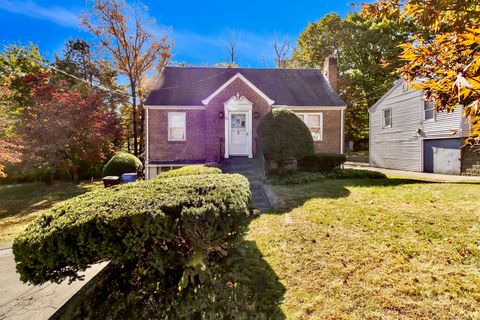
(314, 122)
(177, 126)
(387, 118)
(429, 111)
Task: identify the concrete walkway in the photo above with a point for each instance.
(414, 175)
(251, 169)
(20, 301)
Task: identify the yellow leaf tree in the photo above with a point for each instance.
(443, 58)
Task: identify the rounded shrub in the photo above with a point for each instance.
(160, 232)
(284, 136)
(121, 163)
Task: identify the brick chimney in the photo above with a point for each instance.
(330, 71)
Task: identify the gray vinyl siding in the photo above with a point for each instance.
(400, 147)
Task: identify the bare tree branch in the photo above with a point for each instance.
(232, 49)
(282, 49)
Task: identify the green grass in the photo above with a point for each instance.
(375, 249)
(338, 249)
(20, 203)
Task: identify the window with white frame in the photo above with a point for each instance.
(387, 118)
(429, 111)
(314, 122)
(177, 126)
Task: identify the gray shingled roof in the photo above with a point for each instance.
(184, 86)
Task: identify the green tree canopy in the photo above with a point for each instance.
(367, 53)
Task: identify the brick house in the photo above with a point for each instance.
(201, 115)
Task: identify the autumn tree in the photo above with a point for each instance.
(9, 146)
(16, 64)
(134, 50)
(443, 60)
(65, 127)
(84, 70)
(367, 53)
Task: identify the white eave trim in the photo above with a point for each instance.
(394, 86)
(235, 77)
(159, 107)
(319, 108)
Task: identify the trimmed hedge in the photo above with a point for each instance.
(121, 163)
(188, 171)
(161, 232)
(307, 177)
(284, 136)
(355, 174)
(322, 162)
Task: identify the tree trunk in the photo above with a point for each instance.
(141, 111)
(134, 117)
(76, 180)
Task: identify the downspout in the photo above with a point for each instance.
(147, 158)
(342, 133)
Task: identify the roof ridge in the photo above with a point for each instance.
(240, 68)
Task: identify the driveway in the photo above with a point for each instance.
(21, 301)
(411, 174)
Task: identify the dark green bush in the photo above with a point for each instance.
(322, 162)
(157, 231)
(188, 171)
(355, 174)
(284, 136)
(307, 177)
(121, 163)
(244, 287)
(296, 178)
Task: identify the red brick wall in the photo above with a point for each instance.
(331, 131)
(206, 131)
(162, 149)
(216, 127)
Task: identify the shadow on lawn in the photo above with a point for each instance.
(245, 287)
(20, 199)
(332, 189)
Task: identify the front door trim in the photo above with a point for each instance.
(238, 104)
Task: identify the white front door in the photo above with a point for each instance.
(238, 144)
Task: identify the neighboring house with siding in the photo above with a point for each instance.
(202, 115)
(406, 133)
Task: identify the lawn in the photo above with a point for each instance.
(338, 249)
(20, 203)
(375, 249)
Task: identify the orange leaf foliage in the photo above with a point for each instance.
(443, 60)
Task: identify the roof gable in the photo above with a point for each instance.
(395, 85)
(187, 86)
(246, 81)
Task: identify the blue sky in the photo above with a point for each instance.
(200, 29)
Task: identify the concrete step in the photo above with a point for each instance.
(246, 172)
(252, 170)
